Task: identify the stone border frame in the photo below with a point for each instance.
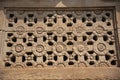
(116, 35)
(68, 73)
(113, 8)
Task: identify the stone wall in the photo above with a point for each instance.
(75, 73)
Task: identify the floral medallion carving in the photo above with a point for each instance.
(60, 37)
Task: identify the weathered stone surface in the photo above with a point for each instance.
(65, 36)
(61, 73)
(19, 66)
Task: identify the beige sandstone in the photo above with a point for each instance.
(59, 39)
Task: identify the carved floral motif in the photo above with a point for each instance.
(65, 37)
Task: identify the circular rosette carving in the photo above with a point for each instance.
(39, 30)
(83, 64)
(80, 48)
(60, 30)
(39, 65)
(20, 30)
(98, 12)
(18, 48)
(103, 64)
(59, 48)
(18, 65)
(39, 49)
(60, 65)
(79, 30)
(78, 13)
(99, 29)
(100, 48)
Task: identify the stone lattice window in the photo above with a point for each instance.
(77, 37)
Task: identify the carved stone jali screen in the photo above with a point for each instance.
(60, 37)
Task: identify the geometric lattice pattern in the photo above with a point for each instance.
(60, 38)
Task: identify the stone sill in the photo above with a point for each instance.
(90, 73)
